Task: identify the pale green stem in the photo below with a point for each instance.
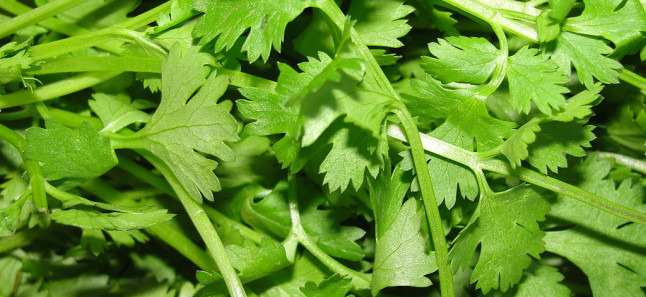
(56, 89)
(204, 227)
(360, 281)
(465, 157)
(36, 15)
(632, 163)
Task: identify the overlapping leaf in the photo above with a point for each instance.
(65, 156)
(609, 249)
(227, 20)
(179, 131)
(461, 59)
(505, 227)
(534, 77)
(379, 22)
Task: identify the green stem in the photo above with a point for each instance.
(501, 68)
(465, 157)
(36, 15)
(71, 44)
(72, 119)
(430, 203)
(53, 24)
(24, 113)
(19, 239)
(104, 63)
(490, 14)
(56, 89)
(360, 281)
(241, 79)
(161, 184)
(632, 78)
(204, 227)
(632, 163)
(36, 180)
(419, 159)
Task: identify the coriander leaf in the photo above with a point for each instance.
(601, 18)
(179, 131)
(256, 261)
(539, 280)
(535, 77)
(449, 176)
(253, 163)
(116, 112)
(628, 128)
(515, 148)
(507, 231)
(65, 156)
(288, 282)
(379, 22)
(350, 143)
(11, 217)
(578, 106)
(555, 140)
(588, 57)
(94, 241)
(91, 219)
(154, 265)
(333, 286)
(227, 20)
(10, 273)
(468, 123)
(401, 258)
(461, 59)
(179, 10)
(609, 250)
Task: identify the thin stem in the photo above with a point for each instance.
(632, 78)
(204, 227)
(71, 44)
(465, 157)
(632, 163)
(36, 15)
(360, 281)
(24, 113)
(430, 203)
(424, 177)
(501, 68)
(20, 239)
(56, 89)
(104, 63)
(36, 180)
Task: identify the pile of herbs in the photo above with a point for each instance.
(322, 148)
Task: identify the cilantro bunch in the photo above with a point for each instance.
(322, 148)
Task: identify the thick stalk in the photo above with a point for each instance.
(36, 15)
(204, 227)
(104, 63)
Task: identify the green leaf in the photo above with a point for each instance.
(461, 59)
(179, 132)
(9, 274)
(379, 22)
(588, 57)
(288, 282)
(534, 77)
(91, 219)
(555, 141)
(628, 128)
(227, 20)
(256, 261)
(602, 18)
(515, 148)
(63, 155)
(401, 258)
(539, 280)
(116, 112)
(11, 217)
(609, 250)
(333, 286)
(505, 227)
(468, 123)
